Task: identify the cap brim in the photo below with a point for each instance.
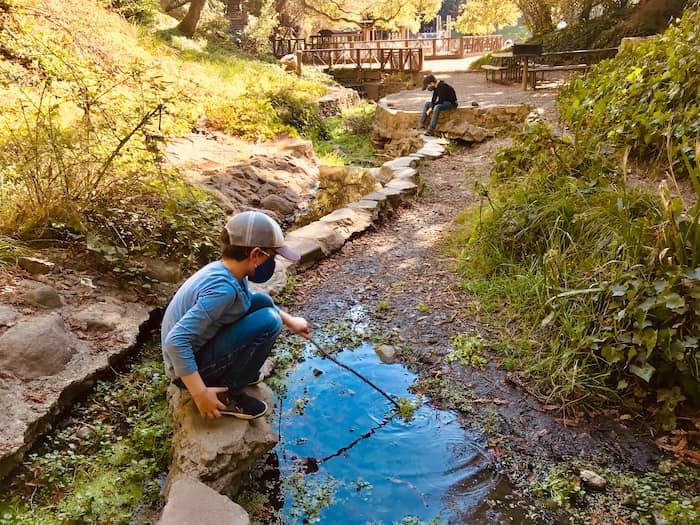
(286, 252)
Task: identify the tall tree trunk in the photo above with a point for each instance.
(188, 25)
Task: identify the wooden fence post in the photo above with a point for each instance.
(300, 56)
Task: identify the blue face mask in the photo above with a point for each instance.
(264, 271)
(431, 88)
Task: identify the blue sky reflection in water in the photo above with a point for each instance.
(427, 467)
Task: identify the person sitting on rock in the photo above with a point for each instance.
(444, 99)
(216, 333)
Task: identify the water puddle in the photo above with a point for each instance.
(347, 460)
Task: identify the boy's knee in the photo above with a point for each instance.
(260, 300)
(272, 320)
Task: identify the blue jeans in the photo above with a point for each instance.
(437, 108)
(234, 356)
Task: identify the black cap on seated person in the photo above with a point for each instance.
(254, 228)
(428, 79)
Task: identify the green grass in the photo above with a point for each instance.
(345, 139)
(88, 102)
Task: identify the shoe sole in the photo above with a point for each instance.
(240, 415)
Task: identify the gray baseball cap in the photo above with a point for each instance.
(254, 228)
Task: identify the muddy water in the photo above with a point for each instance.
(340, 440)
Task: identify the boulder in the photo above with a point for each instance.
(191, 502)
(289, 62)
(336, 100)
(218, 451)
(47, 366)
(470, 123)
(280, 176)
(37, 347)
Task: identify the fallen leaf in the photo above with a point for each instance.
(567, 422)
(494, 401)
(665, 443)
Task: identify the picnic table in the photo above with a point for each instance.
(574, 60)
(508, 66)
(518, 65)
(514, 63)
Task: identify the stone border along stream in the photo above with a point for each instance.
(219, 451)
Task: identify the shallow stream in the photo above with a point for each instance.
(349, 460)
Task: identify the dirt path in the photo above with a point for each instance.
(401, 278)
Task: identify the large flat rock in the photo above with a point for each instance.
(49, 354)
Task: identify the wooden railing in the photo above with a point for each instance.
(432, 48)
(389, 60)
(578, 56)
(286, 46)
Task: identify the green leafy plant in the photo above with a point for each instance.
(644, 98)
(600, 276)
(467, 350)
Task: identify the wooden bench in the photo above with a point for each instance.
(542, 69)
(492, 69)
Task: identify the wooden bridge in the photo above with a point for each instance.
(432, 48)
(386, 60)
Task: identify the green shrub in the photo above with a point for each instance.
(603, 275)
(646, 98)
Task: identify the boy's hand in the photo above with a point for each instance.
(208, 403)
(299, 326)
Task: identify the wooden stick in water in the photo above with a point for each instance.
(346, 367)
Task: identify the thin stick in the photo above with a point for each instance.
(346, 367)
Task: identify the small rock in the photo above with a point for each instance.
(629, 500)
(660, 519)
(34, 265)
(191, 501)
(386, 353)
(316, 372)
(267, 368)
(592, 480)
(45, 296)
(475, 104)
(163, 271)
(8, 315)
(665, 467)
(289, 62)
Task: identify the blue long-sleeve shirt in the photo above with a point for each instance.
(207, 301)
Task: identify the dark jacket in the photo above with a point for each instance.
(444, 93)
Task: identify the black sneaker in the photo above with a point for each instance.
(259, 379)
(428, 133)
(243, 406)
